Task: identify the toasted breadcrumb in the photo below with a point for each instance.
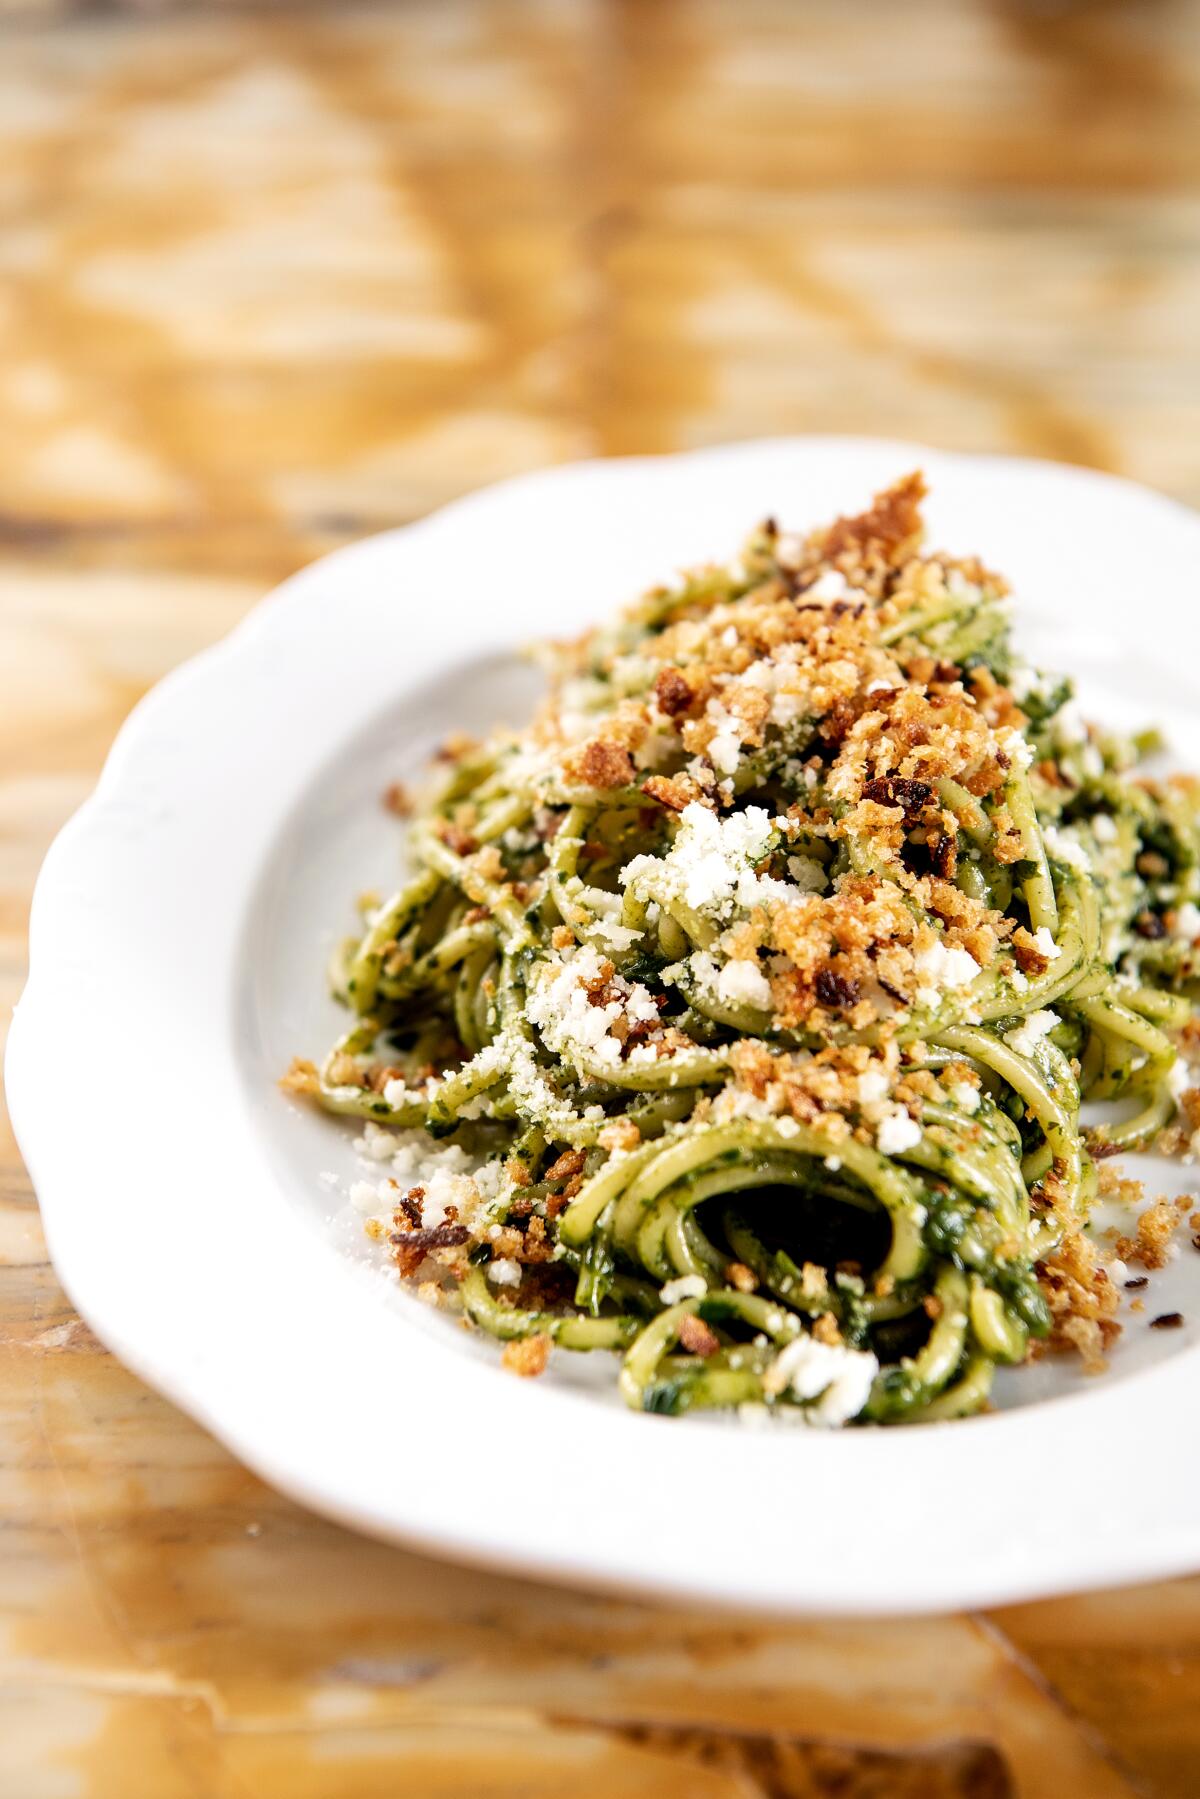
(814, 1283)
(1152, 1244)
(1083, 1301)
(527, 1356)
(697, 1337)
(620, 1134)
(301, 1077)
(1113, 1183)
(569, 1164)
(397, 800)
(676, 792)
(601, 764)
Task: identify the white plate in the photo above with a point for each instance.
(178, 939)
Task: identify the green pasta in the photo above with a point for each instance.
(739, 1012)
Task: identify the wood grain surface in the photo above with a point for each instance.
(270, 280)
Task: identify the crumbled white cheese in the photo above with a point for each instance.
(614, 936)
(743, 983)
(531, 1090)
(397, 1093)
(872, 1086)
(445, 1188)
(684, 1286)
(1066, 848)
(1046, 945)
(832, 585)
(778, 676)
(964, 1096)
(787, 706)
(1028, 1034)
(571, 1023)
(1014, 746)
(738, 1102)
(504, 1272)
(447, 1175)
(725, 747)
(1187, 923)
(807, 872)
(1091, 762)
(408, 1159)
(711, 861)
(1019, 981)
(1104, 828)
(659, 746)
(1179, 1078)
(1117, 1271)
(836, 1378)
(896, 1133)
(945, 967)
(640, 1006)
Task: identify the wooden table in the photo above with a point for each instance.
(269, 281)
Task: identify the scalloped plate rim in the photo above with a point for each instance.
(87, 836)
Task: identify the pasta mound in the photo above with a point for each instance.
(738, 1013)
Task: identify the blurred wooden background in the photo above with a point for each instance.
(271, 279)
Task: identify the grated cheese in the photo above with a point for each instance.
(946, 966)
(743, 983)
(1067, 849)
(1187, 923)
(1030, 1032)
(836, 1378)
(685, 1286)
(896, 1133)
